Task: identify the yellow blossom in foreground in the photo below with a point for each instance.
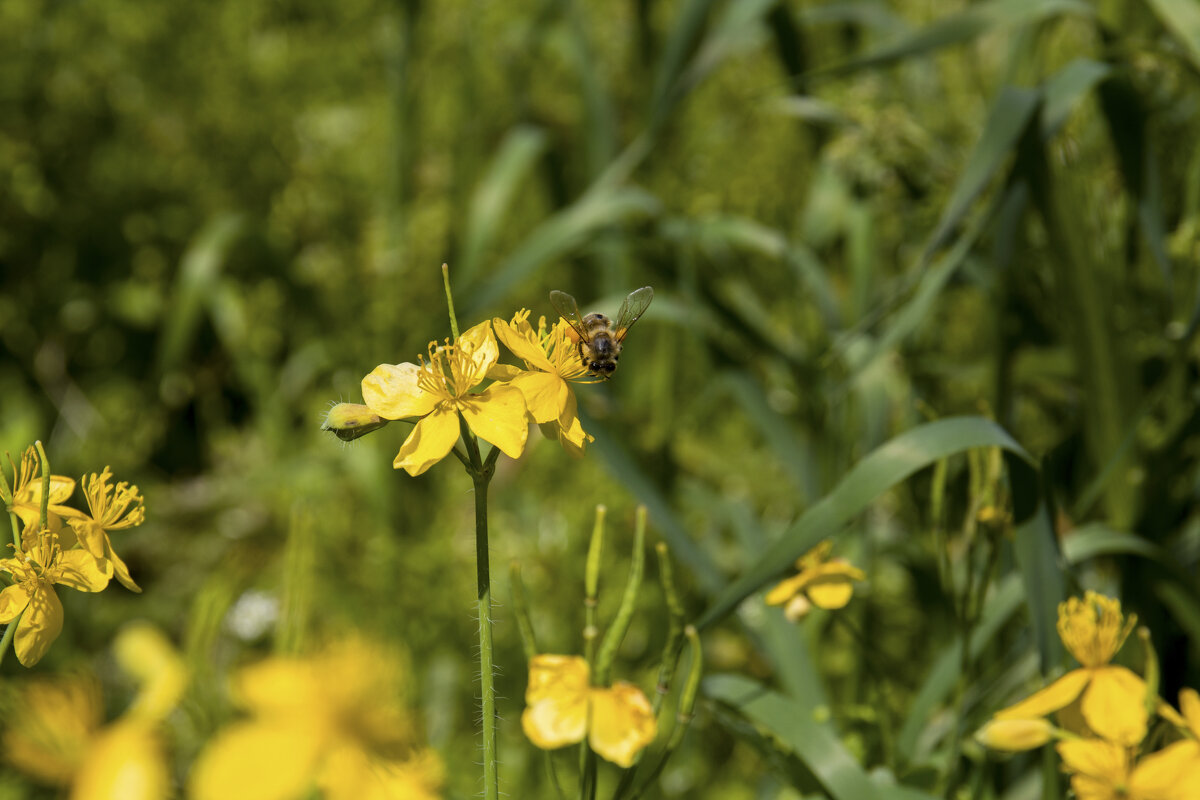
(54, 728)
(32, 596)
(113, 508)
(27, 492)
(438, 390)
(552, 363)
(1112, 698)
(1103, 770)
(1182, 758)
(821, 581)
(562, 708)
(333, 721)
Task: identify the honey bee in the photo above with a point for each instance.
(599, 339)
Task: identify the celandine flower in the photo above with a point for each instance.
(26, 495)
(821, 582)
(113, 508)
(333, 722)
(562, 708)
(552, 363)
(438, 390)
(1112, 698)
(34, 573)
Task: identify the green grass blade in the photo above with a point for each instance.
(1181, 18)
(514, 159)
(1096, 539)
(876, 473)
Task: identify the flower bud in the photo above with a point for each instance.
(1015, 734)
(348, 421)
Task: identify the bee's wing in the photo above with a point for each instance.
(632, 309)
(568, 309)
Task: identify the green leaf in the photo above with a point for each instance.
(973, 21)
(1182, 18)
(814, 743)
(515, 157)
(876, 473)
(940, 681)
(1011, 113)
(1066, 88)
(1096, 539)
(557, 237)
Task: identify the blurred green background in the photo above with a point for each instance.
(216, 217)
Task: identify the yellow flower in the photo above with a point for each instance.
(55, 735)
(1015, 734)
(1112, 698)
(34, 573)
(27, 492)
(552, 363)
(438, 390)
(1103, 770)
(821, 582)
(331, 721)
(1182, 758)
(562, 708)
(113, 508)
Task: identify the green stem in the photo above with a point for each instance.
(8, 636)
(450, 300)
(482, 476)
(45, 510)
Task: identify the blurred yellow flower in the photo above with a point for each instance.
(53, 727)
(27, 492)
(34, 573)
(112, 508)
(562, 708)
(438, 390)
(1103, 770)
(333, 721)
(1112, 698)
(552, 363)
(821, 581)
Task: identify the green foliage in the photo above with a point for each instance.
(880, 236)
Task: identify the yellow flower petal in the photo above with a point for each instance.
(497, 415)
(79, 570)
(13, 600)
(146, 655)
(39, 626)
(783, 591)
(504, 372)
(1173, 772)
(430, 441)
(1015, 734)
(833, 593)
(1095, 758)
(523, 343)
(48, 725)
(1114, 705)
(622, 723)
(815, 556)
(479, 346)
(416, 778)
(556, 701)
(121, 571)
(391, 391)
(1057, 695)
(125, 762)
(279, 686)
(1189, 704)
(570, 433)
(89, 533)
(257, 761)
(545, 394)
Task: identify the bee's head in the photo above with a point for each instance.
(602, 369)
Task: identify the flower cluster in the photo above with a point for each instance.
(332, 721)
(445, 390)
(66, 547)
(819, 581)
(55, 731)
(1104, 713)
